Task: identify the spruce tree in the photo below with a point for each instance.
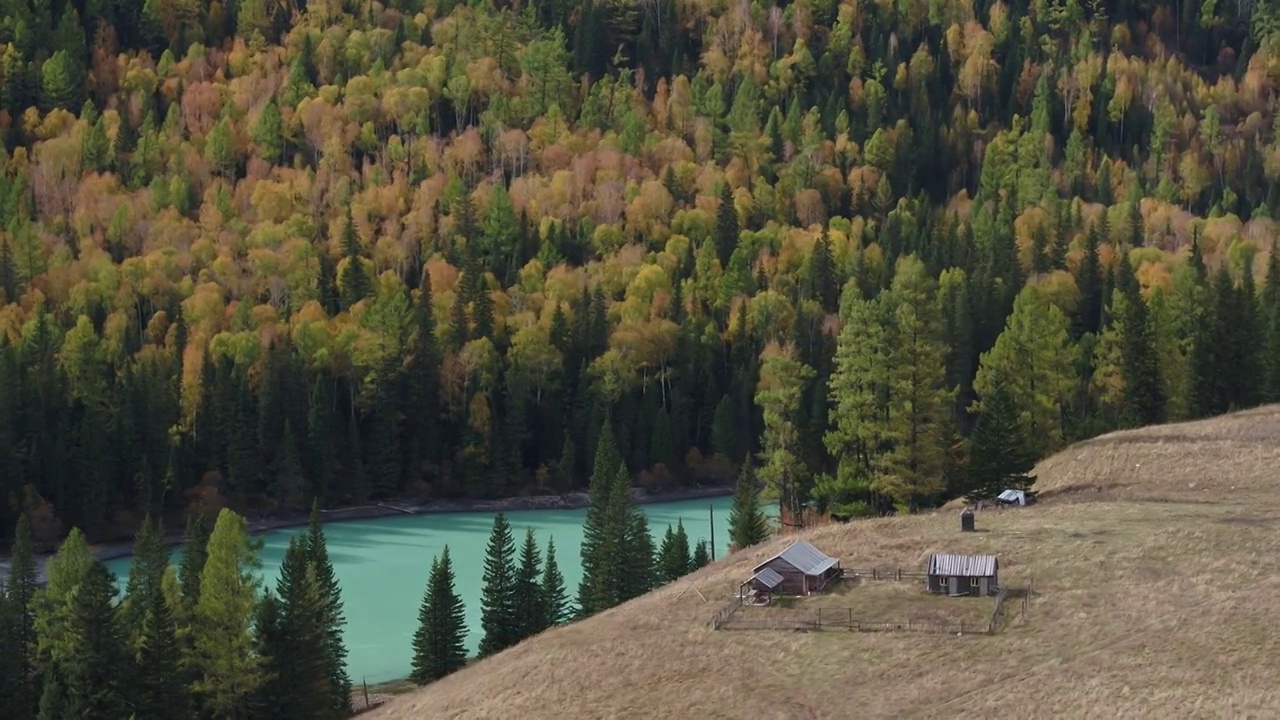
(194, 551)
(683, 561)
(96, 671)
(599, 536)
(230, 670)
(701, 557)
(555, 599)
(634, 571)
(353, 280)
(1000, 457)
(301, 662)
(336, 656)
(150, 559)
(270, 696)
(666, 552)
(747, 524)
(1143, 389)
(438, 648)
(530, 618)
(161, 693)
(727, 227)
(11, 678)
(498, 603)
(21, 589)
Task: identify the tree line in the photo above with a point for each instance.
(256, 255)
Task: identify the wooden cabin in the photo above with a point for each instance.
(961, 575)
(804, 570)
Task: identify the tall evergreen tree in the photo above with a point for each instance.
(230, 669)
(150, 560)
(635, 574)
(194, 552)
(353, 279)
(747, 525)
(317, 552)
(666, 561)
(701, 556)
(1000, 458)
(727, 227)
(555, 599)
(161, 692)
(438, 648)
(300, 662)
(599, 536)
(530, 618)
(21, 590)
(1143, 388)
(499, 616)
(95, 673)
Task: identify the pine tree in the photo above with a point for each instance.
(55, 606)
(1000, 458)
(599, 538)
(727, 228)
(530, 617)
(555, 599)
(438, 648)
(267, 132)
(194, 551)
(666, 560)
(1143, 388)
(701, 556)
(96, 672)
(747, 525)
(498, 602)
(635, 574)
(270, 696)
(682, 561)
(150, 560)
(336, 656)
(301, 661)
(161, 692)
(224, 647)
(353, 280)
(21, 591)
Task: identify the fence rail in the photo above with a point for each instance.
(883, 574)
(842, 619)
(723, 615)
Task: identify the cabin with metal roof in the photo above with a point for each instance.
(803, 569)
(964, 575)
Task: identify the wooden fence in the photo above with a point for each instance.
(724, 614)
(843, 619)
(897, 574)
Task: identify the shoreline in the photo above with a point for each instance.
(390, 508)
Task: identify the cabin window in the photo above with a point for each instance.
(973, 583)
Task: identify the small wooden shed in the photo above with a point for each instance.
(966, 521)
(804, 569)
(960, 575)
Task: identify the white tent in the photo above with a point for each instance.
(1013, 496)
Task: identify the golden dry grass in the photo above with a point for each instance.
(1156, 560)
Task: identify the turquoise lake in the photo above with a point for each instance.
(382, 565)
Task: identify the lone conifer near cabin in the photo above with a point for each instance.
(438, 642)
(999, 456)
(747, 525)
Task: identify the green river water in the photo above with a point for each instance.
(382, 565)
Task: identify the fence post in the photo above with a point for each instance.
(899, 574)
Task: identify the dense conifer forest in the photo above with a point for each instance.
(258, 253)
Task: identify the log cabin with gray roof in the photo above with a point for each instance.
(964, 575)
(802, 568)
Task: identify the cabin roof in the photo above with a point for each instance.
(803, 557)
(768, 577)
(963, 565)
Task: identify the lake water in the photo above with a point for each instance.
(383, 563)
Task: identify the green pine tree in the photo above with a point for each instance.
(747, 525)
(230, 670)
(161, 693)
(530, 617)
(438, 648)
(599, 549)
(302, 654)
(150, 560)
(555, 599)
(635, 573)
(498, 602)
(267, 133)
(1143, 387)
(681, 556)
(727, 227)
(1000, 458)
(270, 696)
(96, 673)
(194, 551)
(336, 656)
(22, 590)
(666, 556)
(62, 82)
(353, 278)
(701, 556)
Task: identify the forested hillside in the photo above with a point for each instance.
(258, 251)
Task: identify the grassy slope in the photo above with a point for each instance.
(1156, 559)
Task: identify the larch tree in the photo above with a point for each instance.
(1032, 357)
(438, 648)
(782, 382)
(224, 649)
(498, 602)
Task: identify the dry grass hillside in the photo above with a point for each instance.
(1156, 560)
